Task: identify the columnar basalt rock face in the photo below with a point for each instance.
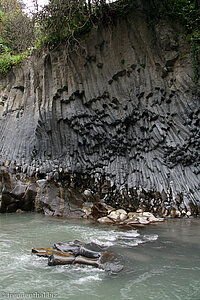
(121, 114)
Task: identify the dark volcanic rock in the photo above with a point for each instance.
(127, 132)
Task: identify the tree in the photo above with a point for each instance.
(11, 5)
(17, 29)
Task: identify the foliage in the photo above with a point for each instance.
(16, 29)
(7, 60)
(186, 12)
(11, 5)
(16, 34)
(66, 20)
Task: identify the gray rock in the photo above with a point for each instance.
(135, 127)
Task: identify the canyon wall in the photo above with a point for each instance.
(116, 121)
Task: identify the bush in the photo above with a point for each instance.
(7, 60)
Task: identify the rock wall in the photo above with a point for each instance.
(117, 120)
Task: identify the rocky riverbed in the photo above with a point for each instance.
(76, 196)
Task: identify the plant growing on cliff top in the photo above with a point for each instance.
(16, 28)
(65, 20)
(16, 34)
(7, 60)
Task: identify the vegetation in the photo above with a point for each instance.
(65, 20)
(186, 12)
(16, 34)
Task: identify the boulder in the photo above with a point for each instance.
(86, 261)
(77, 252)
(69, 247)
(46, 252)
(55, 260)
(91, 250)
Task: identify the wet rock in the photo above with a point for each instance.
(91, 250)
(69, 247)
(143, 220)
(19, 211)
(12, 208)
(132, 221)
(77, 252)
(55, 260)
(105, 220)
(86, 261)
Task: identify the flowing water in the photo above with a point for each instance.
(160, 261)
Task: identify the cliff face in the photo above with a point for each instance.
(119, 118)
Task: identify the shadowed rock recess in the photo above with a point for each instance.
(116, 122)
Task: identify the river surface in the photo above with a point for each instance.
(160, 261)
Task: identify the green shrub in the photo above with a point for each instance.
(7, 60)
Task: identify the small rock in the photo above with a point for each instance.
(143, 220)
(147, 214)
(178, 213)
(87, 210)
(20, 211)
(122, 211)
(139, 210)
(87, 193)
(132, 214)
(123, 217)
(109, 208)
(41, 182)
(131, 221)
(183, 212)
(105, 220)
(172, 212)
(160, 219)
(152, 219)
(114, 215)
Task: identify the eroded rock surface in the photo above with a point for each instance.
(77, 252)
(116, 121)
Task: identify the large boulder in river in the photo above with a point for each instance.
(77, 252)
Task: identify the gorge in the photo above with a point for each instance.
(115, 121)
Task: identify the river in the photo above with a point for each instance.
(160, 261)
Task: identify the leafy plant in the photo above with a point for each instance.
(7, 60)
(143, 66)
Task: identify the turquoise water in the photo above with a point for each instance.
(160, 261)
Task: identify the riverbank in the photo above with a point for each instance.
(79, 196)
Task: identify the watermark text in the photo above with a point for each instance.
(34, 295)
